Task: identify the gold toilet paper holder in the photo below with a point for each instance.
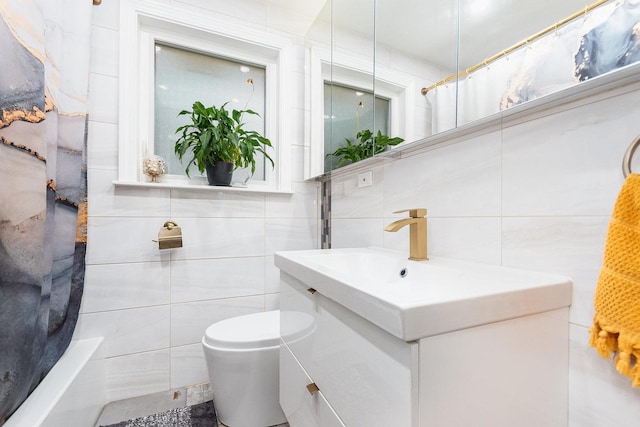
(169, 236)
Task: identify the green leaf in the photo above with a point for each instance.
(367, 146)
(217, 134)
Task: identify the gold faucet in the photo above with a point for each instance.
(417, 223)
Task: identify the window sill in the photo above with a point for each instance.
(203, 187)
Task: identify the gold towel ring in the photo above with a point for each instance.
(626, 161)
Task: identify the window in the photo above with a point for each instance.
(170, 58)
(182, 77)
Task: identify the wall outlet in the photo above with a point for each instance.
(365, 179)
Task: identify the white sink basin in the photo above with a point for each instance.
(416, 299)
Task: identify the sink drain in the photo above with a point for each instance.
(403, 272)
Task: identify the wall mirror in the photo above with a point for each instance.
(412, 69)
(340, 87)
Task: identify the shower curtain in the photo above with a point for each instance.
(44, 72)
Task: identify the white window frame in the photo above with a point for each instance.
(350, 70)
(142, 24)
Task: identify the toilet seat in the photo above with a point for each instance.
(258, 330)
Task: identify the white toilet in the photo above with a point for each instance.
(243, 363)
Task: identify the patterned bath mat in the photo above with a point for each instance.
(200, 415)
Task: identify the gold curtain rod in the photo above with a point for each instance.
(524, 42)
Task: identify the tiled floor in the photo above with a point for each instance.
(127, 409)
(279, 425)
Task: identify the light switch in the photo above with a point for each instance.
(365, 179)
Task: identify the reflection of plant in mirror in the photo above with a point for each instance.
(367, 146)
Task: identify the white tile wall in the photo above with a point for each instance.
(351, 201)
(118, 286)
(214, 278)
(272, 276)
(245, 11)
(302, 204)
(598, 395)
(290, 234)
(288, 20)
(108, 16)
(152, 307)
(297, 166)
(138, 374)
(123, 239)
(468, 238)
(188, 365)
(220, 204)
(220, 237)
(272, 301)
(105, 56)
(103, 98)
(109, 201)
(462, 179)
(566, 245)
(536, 193)
(102, 147)
(586, 148)
(190, 320)
(127, 331)
(356, 232)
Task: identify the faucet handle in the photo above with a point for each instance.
(415, 212)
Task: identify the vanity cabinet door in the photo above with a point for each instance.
(363, 372)
(504, 374)
(301, 407)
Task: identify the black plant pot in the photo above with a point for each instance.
(220, 173)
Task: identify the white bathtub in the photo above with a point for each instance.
(71, 395)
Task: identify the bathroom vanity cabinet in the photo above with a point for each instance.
(501, 373)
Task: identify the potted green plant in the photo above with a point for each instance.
(366, 145)
(218, 143)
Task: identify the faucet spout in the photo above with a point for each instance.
(397, 225)
(417, 223)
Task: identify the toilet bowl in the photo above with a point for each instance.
(242, 356)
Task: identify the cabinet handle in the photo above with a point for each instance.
(311, 291)
(312, 388)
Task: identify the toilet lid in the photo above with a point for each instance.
(248, 331)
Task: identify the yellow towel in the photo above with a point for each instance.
(616, 324)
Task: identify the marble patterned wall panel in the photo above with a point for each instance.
(349, 200)
(137, 374)
(188, 365)
(461, 179)
(358, 232)
(569, 162)
(598, 395)
(203, 279)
